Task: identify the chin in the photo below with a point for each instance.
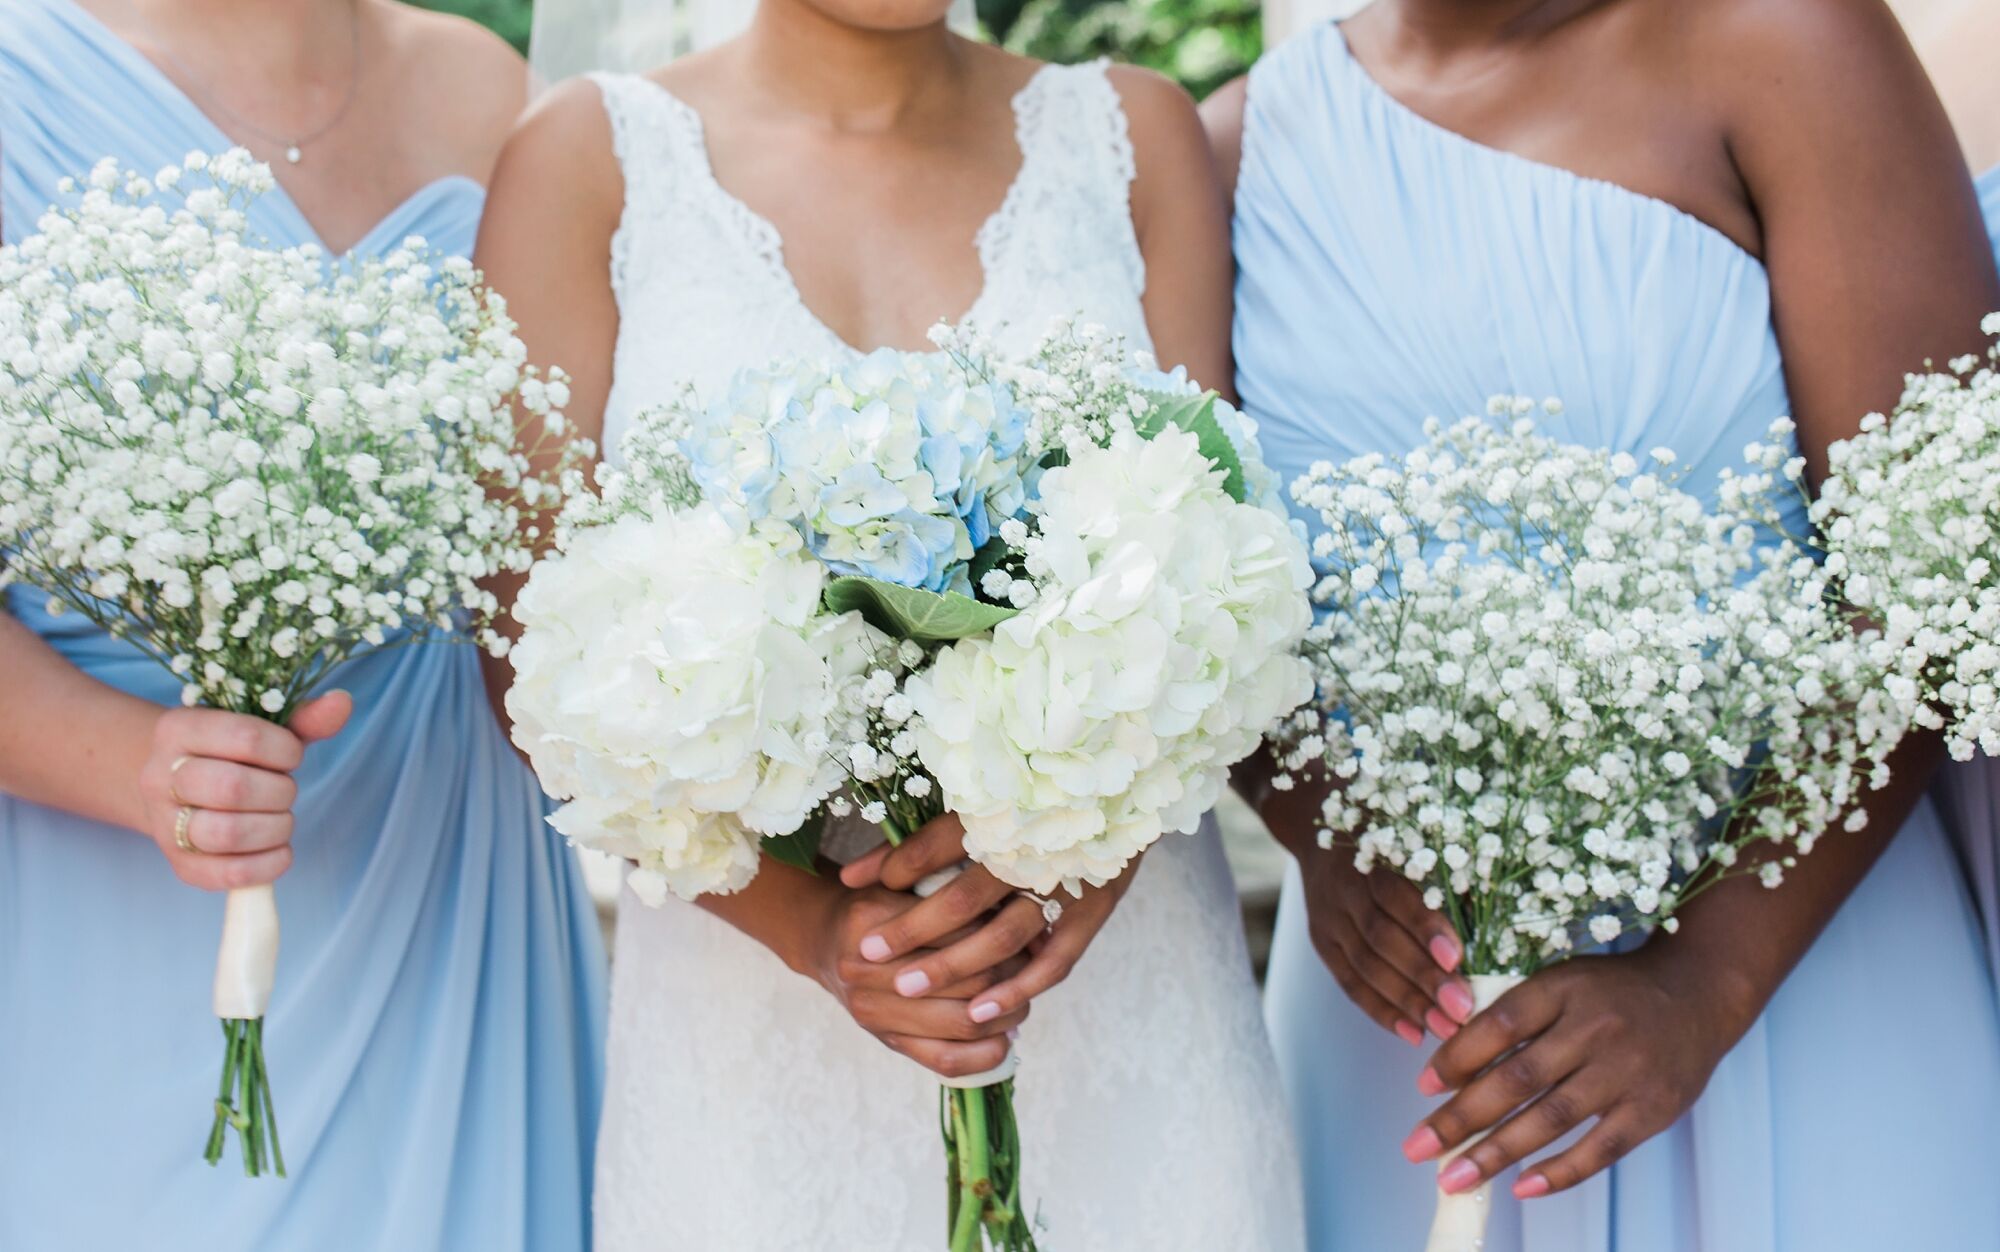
(883, 15)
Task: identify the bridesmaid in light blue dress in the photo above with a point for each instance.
(435, 1035)
(1391, 269)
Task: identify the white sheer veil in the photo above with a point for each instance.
(575, 36)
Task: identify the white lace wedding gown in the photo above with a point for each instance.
(746, 1112)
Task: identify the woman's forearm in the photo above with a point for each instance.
(781, 909)
(68, 741)
(1739, 940)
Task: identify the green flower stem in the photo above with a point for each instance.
(243, 1101)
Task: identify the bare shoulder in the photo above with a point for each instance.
(1168, 143)
(1222, 117)
(468, 83)
(1832, 58)
(564, 140)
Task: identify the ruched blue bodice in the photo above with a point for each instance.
(435, 1033)
(1391, 270)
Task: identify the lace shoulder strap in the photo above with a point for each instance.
(1076, 150)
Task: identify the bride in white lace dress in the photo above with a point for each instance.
(841, 176)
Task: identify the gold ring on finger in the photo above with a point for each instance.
(183, 820)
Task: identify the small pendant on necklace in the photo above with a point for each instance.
(293, 154)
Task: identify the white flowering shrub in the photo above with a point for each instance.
(248, 466)
(1911, 520)
(1561, 695)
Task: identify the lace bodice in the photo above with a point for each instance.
(701, 279)
(745, 1109)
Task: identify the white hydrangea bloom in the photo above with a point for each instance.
(674, 684)
(1160, 648)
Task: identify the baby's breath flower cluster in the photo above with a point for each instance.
(249, 466)
(1562, 696)
(1912, 524)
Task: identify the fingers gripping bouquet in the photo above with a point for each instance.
(254, 471)
(1913, 530)
(1031, 593)
(1563, 697)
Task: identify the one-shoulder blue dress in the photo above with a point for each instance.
(435, 1035)
(1390, 270)
(1969, 792)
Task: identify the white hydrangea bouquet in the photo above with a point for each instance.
(253, 471)
(1038, 594)
(1912, 525)
(1563, 697)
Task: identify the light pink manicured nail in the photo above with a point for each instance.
(1460, 1175)
(1013, 1034)
(1530, 1187)
(1429, 1083)
(985, 1010)
(1441, 1026)
(1409, 1034)
(1422, 1145)
(1456, 1000)
(875, 948)
(913, 982)
(1445, 951)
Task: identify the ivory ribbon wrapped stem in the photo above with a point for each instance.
(1460, 1223)
(247, 962)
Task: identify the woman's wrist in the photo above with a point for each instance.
(1711, 980)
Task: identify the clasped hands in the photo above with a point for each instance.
(947, 980)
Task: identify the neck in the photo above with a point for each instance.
(294, 40)
(1443, 27)
(856, 79)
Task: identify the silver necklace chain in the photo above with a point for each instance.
(294, 149)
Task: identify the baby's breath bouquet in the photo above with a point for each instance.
(1912, 524)
(253, 470)
(1562, 696)
(1056, 597)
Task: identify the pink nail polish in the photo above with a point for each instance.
(912, 982)
(1460, 1175)
(1422, 1145)
(1456, 1000)
(1445, 951)
(1532, 1186)
(1429, 1083)
(1441, 1026)
(875, 948)
(1410, 1034)
(985, 1011)
(1013, 1034)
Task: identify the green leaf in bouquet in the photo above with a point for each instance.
(800, 849)
(1196, 415)
(913, 613)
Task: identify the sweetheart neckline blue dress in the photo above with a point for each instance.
(435, 1037)
(1390, 269)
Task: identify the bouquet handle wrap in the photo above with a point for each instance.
(247, 961)
(1004, 1070)
(1460, 1223)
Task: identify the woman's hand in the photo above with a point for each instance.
(1629, 1040)
(1393, 957)
(232, 773)
(976, 924)
(938, 1030)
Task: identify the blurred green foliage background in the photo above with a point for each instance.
(1201, 43)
